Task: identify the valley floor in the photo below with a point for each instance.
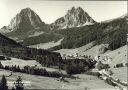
(39, 82)
(84, 82)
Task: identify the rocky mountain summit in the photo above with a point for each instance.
(27, 19)
(75, 17)
(25, 24)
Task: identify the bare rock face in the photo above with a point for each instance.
(26, 19)
(75, 17)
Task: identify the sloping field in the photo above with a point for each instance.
(47, 45)
(120, 73)
(88, 49)
(79, 50)
(22, 63)
(39, 82)
(116, 56)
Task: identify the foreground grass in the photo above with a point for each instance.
(40, 82)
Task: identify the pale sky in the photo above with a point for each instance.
(49, 11)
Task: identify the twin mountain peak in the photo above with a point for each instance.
(27, 19)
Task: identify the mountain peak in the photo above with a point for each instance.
(26, 19)
(79, 8)
(75, 17)
(26, 10)
(75, 10)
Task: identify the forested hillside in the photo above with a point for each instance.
(43, 38)
(112, 33)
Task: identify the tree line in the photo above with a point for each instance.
(33, 71)
(29, 53)
(71, 66)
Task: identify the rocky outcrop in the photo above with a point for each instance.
(75, 17)
(27, 19)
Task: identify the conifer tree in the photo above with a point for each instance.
(19, 84)
(1, 66)
(3, 83)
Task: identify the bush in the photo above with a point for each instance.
(74, 69)
(109, 81)
(102, 66)
(119, 65)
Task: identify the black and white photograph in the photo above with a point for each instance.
(63, 45)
